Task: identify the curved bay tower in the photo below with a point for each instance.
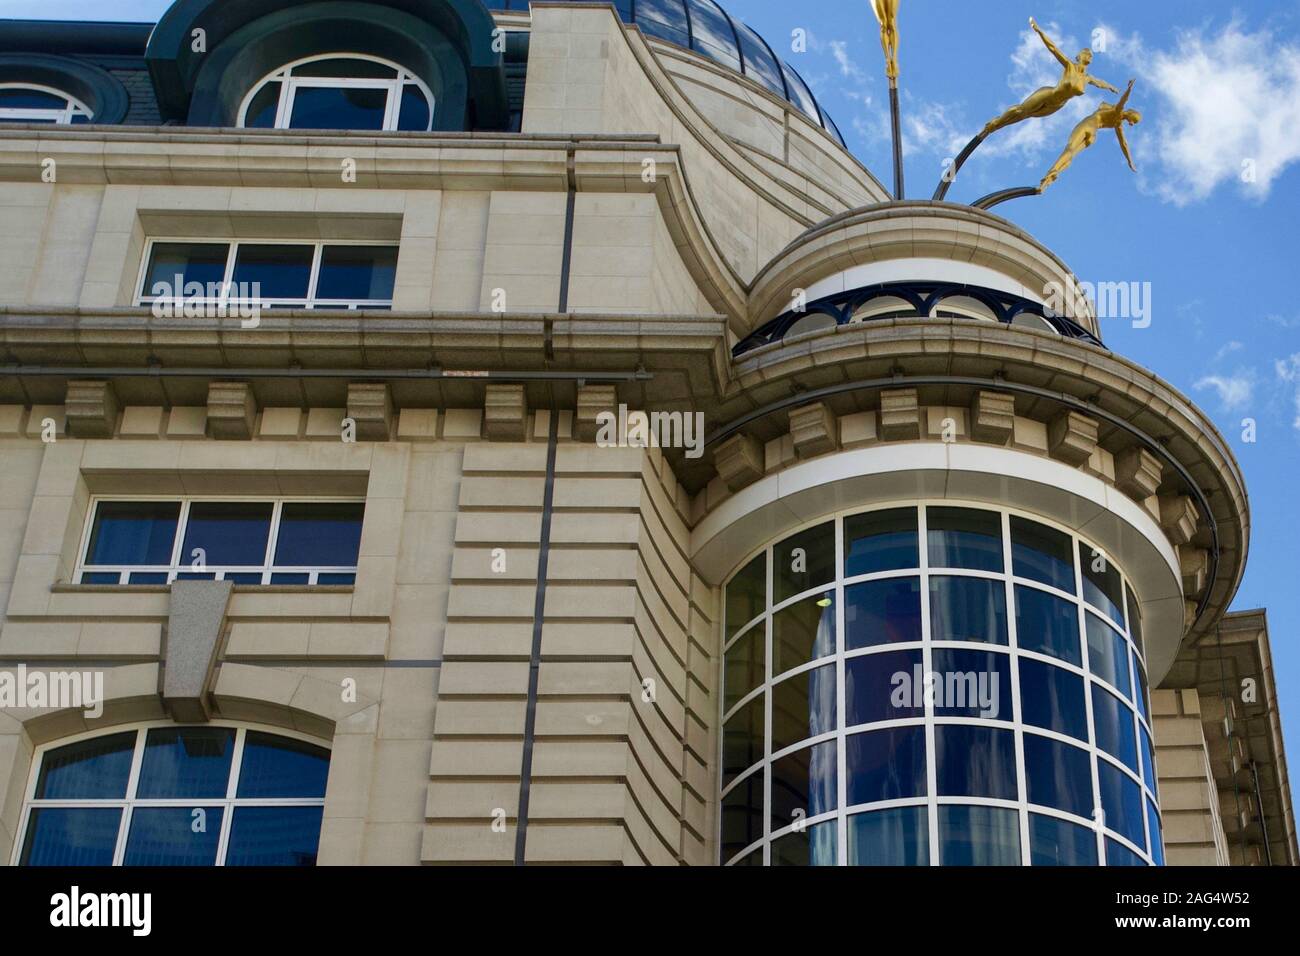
(445, 432)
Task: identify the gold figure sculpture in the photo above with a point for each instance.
(1049, 99)
(887, 13)
(1107, 116)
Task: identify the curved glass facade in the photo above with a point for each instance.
(703, 26)
(935, 684)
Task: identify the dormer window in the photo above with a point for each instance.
(339, 92)
(28, 103)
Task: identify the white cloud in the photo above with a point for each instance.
(1235, 391)
(1288, 370)
(848, 68)
(1229, 101)
(1228, 350)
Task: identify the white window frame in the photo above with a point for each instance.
(291, 83)
(72, 107)
(182, 565)
(129, 802)
(227, 301)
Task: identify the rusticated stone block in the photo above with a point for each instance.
(1072, 437)
(900, 415)
(232, 408)
(91, 409)
(592, 400)
(1179, 518)
(814, 430)
(370, 405)
(739, 461)
(1138, 473)
(505, 413)
(1194, 564)
(992, 417)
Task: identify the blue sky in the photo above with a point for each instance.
(1219, 87)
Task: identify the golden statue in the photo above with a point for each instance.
(887, 13)
(1047, 100)
(1108, 116)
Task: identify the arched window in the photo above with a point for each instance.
(340, 92)
(166, 795)
(29, 103)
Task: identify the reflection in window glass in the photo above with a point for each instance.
(803, 706)
(742, 816)
(133, 532)
(71, 836)
(745, 661)
(1148, 761)
(1047, 624)
(815, 846)
(1114, 723)
(968, 609)
(1052, 698)
(182, 762)
(323, 534)
(174, 265)
(166, 836)
(805, 560)
(881, 541)
(975, 761)
(963, 538)
(1108, 654)
(282, 271)
(978, 836)
(747, 595)
(883, 686)
(357, 273)
(886, 764)
(803, 632)
(896, 837)
(804, 784)
(1042, 554)
(1117, 854)
(274, 836)
(88, 769)
(1102, 585)
(742, 740)
(282, 767)
(1157, 838)
(974, 684)
(1121, 800)
(1055, 842)
(229, 533)
(1058, 775)
(1135, 621)
(882, 612)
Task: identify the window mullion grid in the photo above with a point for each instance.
(232, 790)
(1099, 818)
(272, 541)
(1013, 636)
(284, 109)
(228, 277)
(927, 666)
(841, 711)
(317, 256)
(132, 786)
(182, 522)
(768, 696)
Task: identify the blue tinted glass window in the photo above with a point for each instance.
(336, 579)
(186, 762)
(328, 107)
(1047, 624)
(742, 740)
(1042, 554)
(742, 815)
(968, 609)
(1148, 761)
(290, 579)
(326, 534)
(711, 33)
(1135, 621)
(744, 663)
(202, 262)
(978, 836)
(800, 95)
(746, 595)
(229, 532)
(896, 837)
(90, 769)
(281, 272)
(881, 541)
(148, 577)
(173, 836)
(263, 108)
(803, 706)
(1114, 723)
(975, 761)
(353, 273)
(413, 114)
(815, 846)
(883, 686)
(29, 99)
(274, 836)
(886, 765)
(71, 836)
(1108, 654)
(1052, 698)
(133, 532)
(802, 561)
(1119, 855)
(760, 65)
(1140, 678)
(665, 19)
(972, 684)
(831, 128)
(804, 784)
(104, 577)
(1058, 775)
(1122, 802)
(962, 538)
(1102, 586)
(1157, 839)
(803, 632)
(1055, 842)
(282, 767)
(882, 612)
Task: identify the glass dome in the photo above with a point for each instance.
(703, 26)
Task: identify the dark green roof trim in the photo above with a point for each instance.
(86, 38)
(102, 92)
(447, 43)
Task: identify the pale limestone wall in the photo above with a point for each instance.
(1189, 799)
(621, 767)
